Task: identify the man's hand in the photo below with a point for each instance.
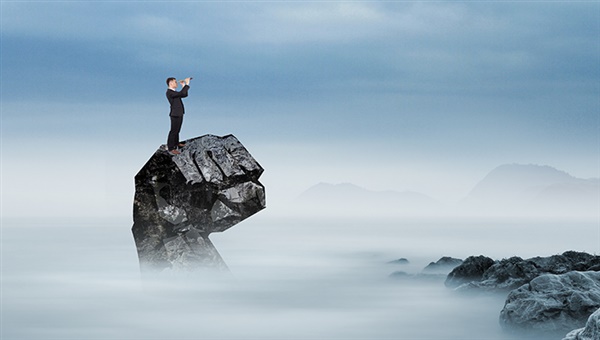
(187, 80)
(182, 82)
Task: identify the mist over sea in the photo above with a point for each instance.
(291, 278)
(455, 111)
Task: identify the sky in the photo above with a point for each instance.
(395, 95)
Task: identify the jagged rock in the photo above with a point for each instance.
(591, 331)
(443, 265)
(552, 303)
(180, 199)
(514, 272)
(400, 261)
(471, 269)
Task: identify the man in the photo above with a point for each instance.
(177, 111)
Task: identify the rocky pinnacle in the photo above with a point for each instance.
(180, 199)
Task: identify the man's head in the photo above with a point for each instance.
(172, 83)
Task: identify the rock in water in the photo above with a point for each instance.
(552, 303)
(591, 331)
(512, 273)
(180, 199)
(471, 269)
(443, 266)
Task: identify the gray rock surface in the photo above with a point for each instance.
(443, 266)
(591, 331)
(180, 199)
(511, 273)
(551, 303)
(470, 270)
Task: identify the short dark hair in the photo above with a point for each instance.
(169, 80)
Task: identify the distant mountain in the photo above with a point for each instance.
(510, 190)
(539, 190)
(350, 200)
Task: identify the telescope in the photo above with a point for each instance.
(184, 79)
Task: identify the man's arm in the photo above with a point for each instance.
(181, 94)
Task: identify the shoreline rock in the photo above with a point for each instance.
(443, 266)
(472, 269)
(591, 331)
(511, 273)
(552, 303)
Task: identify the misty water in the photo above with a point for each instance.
(292, 278)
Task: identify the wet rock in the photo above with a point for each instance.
(591, 331)
(180, 199)
(443, 266)
(552, 303)
(511, 273)
(472, 269)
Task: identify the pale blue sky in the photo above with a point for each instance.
(424, 96)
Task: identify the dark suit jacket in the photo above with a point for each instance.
(174, 98)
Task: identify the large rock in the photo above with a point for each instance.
(514, 272)
(443, 266)
(591, 331)
(180, 199)
(511, 273)
(471, 269)
(552, 303)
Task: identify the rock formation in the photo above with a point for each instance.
(551, 303)
(443, 266)
(435, 271)
(591, 331)
(470, 270)
(180, 199)
(511, 273)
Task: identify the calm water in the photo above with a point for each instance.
(291, 279)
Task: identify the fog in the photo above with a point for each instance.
(290, 278)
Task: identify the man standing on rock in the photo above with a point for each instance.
(177, 112)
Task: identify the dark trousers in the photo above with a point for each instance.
(173, 138)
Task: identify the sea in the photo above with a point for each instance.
(291, 277)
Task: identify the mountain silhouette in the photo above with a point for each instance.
(539, 190)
